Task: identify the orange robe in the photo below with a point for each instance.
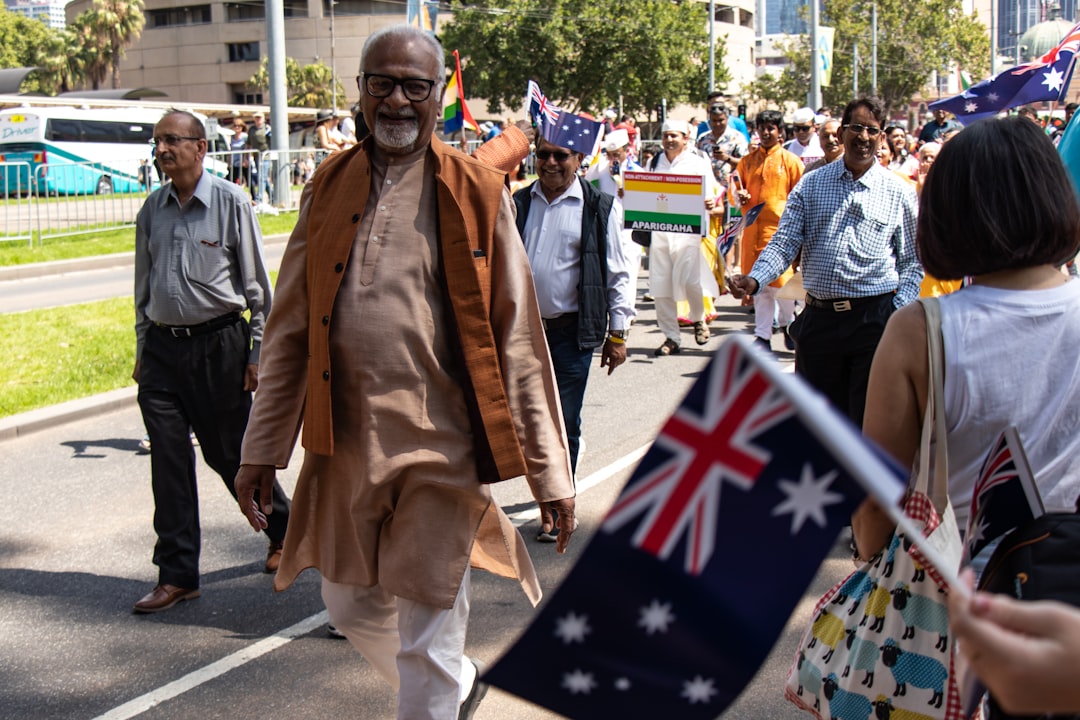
(769, 175)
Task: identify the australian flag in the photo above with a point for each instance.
(541, 112)
(1005, 495)
(727, 238)
(1044, 79)
(693, 574)
(572, 132)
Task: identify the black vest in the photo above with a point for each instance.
(592, 286)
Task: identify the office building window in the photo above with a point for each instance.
(244, 52)
(170, 17)
(363, 7)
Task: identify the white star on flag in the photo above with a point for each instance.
(622, 684)
(993, 97)
(578, 682)
(807, 498)
(1053, 79)
(971, 107)
(698, 690)
(572, 628)
(565, 127)
(656, 617)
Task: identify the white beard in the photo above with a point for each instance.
(396, 138)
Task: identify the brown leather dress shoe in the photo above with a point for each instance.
(164, 597)
(273, 558)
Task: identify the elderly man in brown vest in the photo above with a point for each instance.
(410, 345)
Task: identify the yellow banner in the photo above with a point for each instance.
(824, 53)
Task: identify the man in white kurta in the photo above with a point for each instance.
(677, 267)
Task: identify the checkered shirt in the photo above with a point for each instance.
(857, 236)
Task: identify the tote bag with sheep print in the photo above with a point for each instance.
(878, 645)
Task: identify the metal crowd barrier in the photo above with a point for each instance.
(15, 219)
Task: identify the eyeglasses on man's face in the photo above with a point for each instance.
(858, 129)
(381, 86)
(173, 140)
(802, 128)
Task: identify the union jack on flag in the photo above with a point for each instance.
(1005, 495)
(540, 110)
(684, 589)
(727, 238)
(1047, 78)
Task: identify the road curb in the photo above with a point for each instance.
(95, 262)
(23, 424)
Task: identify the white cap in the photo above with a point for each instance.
(616, 139)
(803, 116)
(820, 119)
(679, 126)
(609, 114)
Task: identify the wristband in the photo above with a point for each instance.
(616, 340)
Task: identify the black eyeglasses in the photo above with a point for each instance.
(172, 140)
(381, 86)
(801, 128)
(543, 155)
(858, 129)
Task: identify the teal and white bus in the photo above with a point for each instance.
(77, 151)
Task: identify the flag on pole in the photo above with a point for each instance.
(1047, 78)
(693, 574)
(1005, 495)
(572, 132)
(727, 238)
(455, 112)
(422, 14)
(540, 110)
(963, 78)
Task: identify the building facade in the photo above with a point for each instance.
(50, 12)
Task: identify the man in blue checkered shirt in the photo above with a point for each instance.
(854, 222)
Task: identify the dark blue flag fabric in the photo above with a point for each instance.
(726, 240)
(1046, 78)
(694, 572)
(1005, 495)
(572, 132)
(541, 112)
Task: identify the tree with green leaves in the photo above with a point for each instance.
(914, 40)
(584, 54)
(118, 23)
(20, 37)
(307, 85)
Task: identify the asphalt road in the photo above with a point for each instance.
(76, 543)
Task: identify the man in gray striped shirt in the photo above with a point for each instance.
(198, 267)
(854, 222)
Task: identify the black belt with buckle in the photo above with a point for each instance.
(844, 304)
(202, 328)
(562, 321)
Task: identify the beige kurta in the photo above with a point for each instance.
(399, 502)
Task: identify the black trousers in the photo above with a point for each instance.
(834, 350)
(197, 383)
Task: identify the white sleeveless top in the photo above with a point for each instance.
(1013, 358)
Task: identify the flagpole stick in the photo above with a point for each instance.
(861, 462)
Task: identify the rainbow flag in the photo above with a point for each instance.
(456, 113)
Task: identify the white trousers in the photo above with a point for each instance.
(667, 315)
(766, 307)
(418, 649)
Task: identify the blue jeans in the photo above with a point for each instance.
(571, 374)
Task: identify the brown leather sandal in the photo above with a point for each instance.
(670, 347)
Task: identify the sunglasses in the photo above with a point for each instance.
(801, 128)
(543, 155)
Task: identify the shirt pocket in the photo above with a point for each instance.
(206, 261)
(872, 232)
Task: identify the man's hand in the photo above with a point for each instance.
(135, 372)
(252, 481)
(742, 285)
(567, 521)
(251, 378)
(613, 355)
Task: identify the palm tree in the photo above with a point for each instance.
(118, 23)
(62, 66)
(308, 85)
(92, 49)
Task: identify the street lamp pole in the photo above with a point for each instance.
(333, 67)
(712, 45)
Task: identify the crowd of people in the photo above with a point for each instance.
(407, 410)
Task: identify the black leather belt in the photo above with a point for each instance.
(844, 304)
(202, 328)
(562, 321)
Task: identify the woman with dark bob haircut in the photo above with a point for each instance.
(998, 199)
(997, 206)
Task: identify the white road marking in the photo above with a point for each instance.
(523, 516)
(230, 662)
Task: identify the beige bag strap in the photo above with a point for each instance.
(934, 419)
